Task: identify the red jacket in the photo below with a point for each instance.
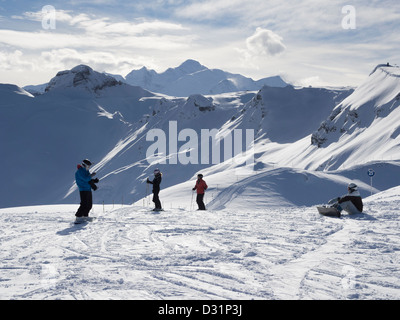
(201, 186)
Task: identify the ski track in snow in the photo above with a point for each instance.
(132, 253)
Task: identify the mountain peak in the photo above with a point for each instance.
(192, 77)
(82, 68)
(388, 68)
(81, 76)
(191, 66)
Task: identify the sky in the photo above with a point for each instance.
(306, 42)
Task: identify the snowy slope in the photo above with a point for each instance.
(288, 114)
(243, 253)
(366, 124)
(363, 128)
(271, 186)
(127, 168)
(193, 78)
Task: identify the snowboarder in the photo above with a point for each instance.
(201, 187)
(156, 189)
(351, 202)
(85, 183)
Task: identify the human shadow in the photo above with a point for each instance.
(359, 216)
(71, 229)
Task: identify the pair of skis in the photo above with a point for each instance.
(82, 220)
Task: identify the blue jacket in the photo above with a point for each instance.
(82, 178)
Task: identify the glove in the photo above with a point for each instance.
(92, 184)
(96, 180)
(194, 188)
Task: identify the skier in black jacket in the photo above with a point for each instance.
(156, 189)
(351, 202)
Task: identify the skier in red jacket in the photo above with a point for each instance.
(201, 187)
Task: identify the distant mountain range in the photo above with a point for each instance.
(189, 78)
(193, 78)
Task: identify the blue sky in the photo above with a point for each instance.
(308, 42)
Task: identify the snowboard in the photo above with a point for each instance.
(329, 211)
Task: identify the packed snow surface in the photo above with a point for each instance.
(132, 253)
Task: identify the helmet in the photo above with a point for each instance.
(199, 175)
(86, 163)
(352, 187)
(156, 171)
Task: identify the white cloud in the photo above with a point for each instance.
(104, 43)
(103, 25)
(98, 60)
(264, 42)
(25, 68)
(87, 31)
(213, 9)
(14, 61)
(234, 35)
(60, 15)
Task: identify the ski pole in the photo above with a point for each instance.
(147, 193)
(191, 202)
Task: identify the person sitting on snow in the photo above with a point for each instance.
(351, 202)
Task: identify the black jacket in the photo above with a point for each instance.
(355, 198)
(156, 183)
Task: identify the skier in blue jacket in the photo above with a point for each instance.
(85, 182)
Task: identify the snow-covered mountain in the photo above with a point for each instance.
(366, 125)
(193, 78)
(82, 77)
(86, 114)
(42, 137)
(189, 78)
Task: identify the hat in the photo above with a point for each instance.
(86, 163)
(352, 187)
